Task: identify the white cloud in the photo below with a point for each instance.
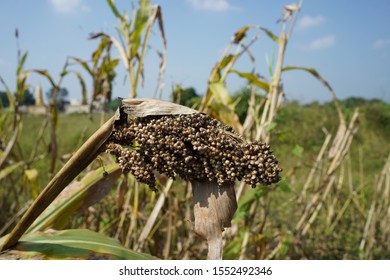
(320, 43)
(308, 22)
(211, 5)
(381, 44)
(68, 6)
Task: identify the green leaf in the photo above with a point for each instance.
(83, 64)
(114, 9)
(246, 201)
(220, 93)
(21, 84)
(287, 241)
(216, 74)
(21, 63)
(47, 75)
(97, 54)
(253, 79)
(232, 249)
(83, 87)
(298, 150)
(240, 34)
(54, 115)
(284, 187)
(225, 61)
(73, 244)
(312, 71)
(112, 64)
(270, 126)
(77, 197)
(270, 34)
(10, 98)
(139, 26)
(9, 169)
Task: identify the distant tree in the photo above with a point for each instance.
(377, 114)
(61, 98)
(187, 96)
(28, 98)
(4, 102)
(352, 102)
(112, 105)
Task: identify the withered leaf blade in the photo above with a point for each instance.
(142, 107)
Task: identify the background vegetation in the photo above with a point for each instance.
(333, 201)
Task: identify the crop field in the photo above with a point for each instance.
(332, 200)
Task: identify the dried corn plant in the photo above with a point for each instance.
(317, 210)
(101, 70)
(377, 228)
(148, 135)
(134, 36)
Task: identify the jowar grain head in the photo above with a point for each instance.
(193, 146)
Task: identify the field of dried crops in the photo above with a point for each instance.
(333, 200)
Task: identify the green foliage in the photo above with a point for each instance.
(80, 195)
(102, 70)
(4, 101)
(298, 150)
(73, 244)
(266, 216)
(378, 115)
(112, 105)
(253, 80)
(134, 39)
(27, 99)
(187, 96)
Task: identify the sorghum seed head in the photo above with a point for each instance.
(195, 147)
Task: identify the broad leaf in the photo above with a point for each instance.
(83, 64)
(72, 244)
(283, 186)
(220, 93)
(76, 198)
(270, 34)
(83, 87)
(240, 34)
(21, 63)
(97, 54)
(114, 9)
(253, 79)
(9, 95)
(246, 201)
(139, 26)
(47, 75)
(312, 71)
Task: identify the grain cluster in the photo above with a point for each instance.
(194, 147)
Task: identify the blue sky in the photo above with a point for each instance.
(347, 42)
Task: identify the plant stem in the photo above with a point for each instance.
(214, 207)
